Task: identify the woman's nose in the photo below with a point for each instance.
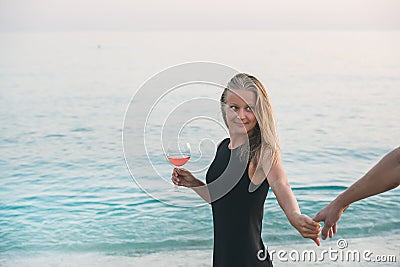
(241, 114)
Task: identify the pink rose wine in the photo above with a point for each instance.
(178, 154)
(178, 160)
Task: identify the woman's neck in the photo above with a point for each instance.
(236, 140)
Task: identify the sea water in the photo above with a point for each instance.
(65, 187)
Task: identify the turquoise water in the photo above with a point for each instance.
(65, 186)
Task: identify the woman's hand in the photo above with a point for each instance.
(183, 177)
(307, 227)
(286, 199)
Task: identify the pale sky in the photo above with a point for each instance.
(127, 15)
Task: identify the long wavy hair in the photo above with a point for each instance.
(263, 140)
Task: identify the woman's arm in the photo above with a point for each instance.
(286, 199)
(183, 177)
(385, 175)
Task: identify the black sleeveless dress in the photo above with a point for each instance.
(237, 213)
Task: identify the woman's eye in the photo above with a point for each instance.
(249, 108)
(234, 108)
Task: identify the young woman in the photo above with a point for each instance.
(245, 165)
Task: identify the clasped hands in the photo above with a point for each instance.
(310, 228)
(330, 216)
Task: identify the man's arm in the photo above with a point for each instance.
(384, 176)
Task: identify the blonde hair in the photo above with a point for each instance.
(263, 141)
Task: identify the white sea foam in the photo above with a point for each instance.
(383, 246)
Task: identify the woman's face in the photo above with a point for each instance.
(239, 111)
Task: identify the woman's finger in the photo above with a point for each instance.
(311, 222)
(309, 235)
(312, 226)
(317, 241)
(175, 180)
(315, 230)
(308, 231)
(182, 171)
